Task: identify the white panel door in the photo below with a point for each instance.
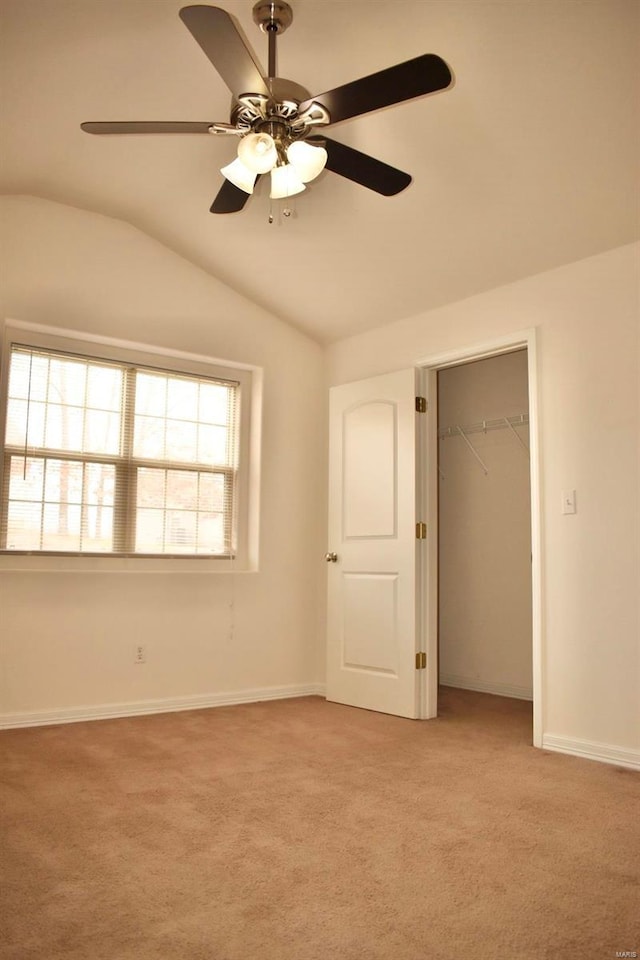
(372, 601)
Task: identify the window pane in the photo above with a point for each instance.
(211, 537)
(60, 505)
(28, 376)
(16, 431)
(104, 388)
(98, 533)
(182, 399)
(25, 423)
(101, 432)
(61, 527)
(151, 394)
(182, 489)
(98, 512)
(214, 403)
(212, 445)
(23, 525)
(26, 479)
(63, 483)
(148, 438)
(181, 530)
(182, 420)
(180, 511)
(211, 492)
(150, 531)
(67, 380)
(64, 404)
(182, 441)
(63, 428)
(99, 484)
(151, 488)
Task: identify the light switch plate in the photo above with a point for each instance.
(568, 501)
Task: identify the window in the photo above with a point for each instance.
(111, 456)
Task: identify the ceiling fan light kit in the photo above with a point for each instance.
(309, 161)
(291, 164)
(239, 175)
(258, 152)
(279, 125)
(285, 182)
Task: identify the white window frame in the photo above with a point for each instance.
(248, 476)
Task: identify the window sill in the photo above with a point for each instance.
(60, 563)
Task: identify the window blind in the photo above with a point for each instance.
(117, 458)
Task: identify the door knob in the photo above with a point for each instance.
(331, 557)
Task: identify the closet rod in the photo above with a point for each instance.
(500, 423)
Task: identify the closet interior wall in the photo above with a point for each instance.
(485, 527)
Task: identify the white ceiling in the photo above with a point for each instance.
(529, 161)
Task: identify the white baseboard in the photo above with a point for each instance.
(486, 686)
(604, 752)
(110, 711)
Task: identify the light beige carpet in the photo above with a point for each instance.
(302, 830)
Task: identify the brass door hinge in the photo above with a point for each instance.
(421, 404)
(421, 531)
(421, 661)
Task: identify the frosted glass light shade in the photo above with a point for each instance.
(285, 182)
(309, 161)
(258, 152)
(239, 175)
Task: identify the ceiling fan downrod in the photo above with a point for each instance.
(273, 17)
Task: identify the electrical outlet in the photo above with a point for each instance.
(140, 654)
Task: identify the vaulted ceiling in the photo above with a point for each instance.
(527, 162)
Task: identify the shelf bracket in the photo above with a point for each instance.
(473, 450)
(518, 437)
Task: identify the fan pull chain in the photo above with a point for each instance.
(286, 211)
(291, 211)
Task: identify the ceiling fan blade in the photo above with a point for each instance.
(407, 80)
(142, 126)
(363, 169)
(230, 199)
(216, 32)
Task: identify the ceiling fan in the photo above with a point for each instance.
(279, 125)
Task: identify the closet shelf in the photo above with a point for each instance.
(500, 423)
(483, 426)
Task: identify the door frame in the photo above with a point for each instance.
(428, 368)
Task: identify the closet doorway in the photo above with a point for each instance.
(484, 523)
(483, 594)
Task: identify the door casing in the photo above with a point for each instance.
(428, 495)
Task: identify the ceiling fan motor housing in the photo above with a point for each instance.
(279, 113)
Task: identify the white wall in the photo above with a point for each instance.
(66, 639)
(484, 528)
(587, 317)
